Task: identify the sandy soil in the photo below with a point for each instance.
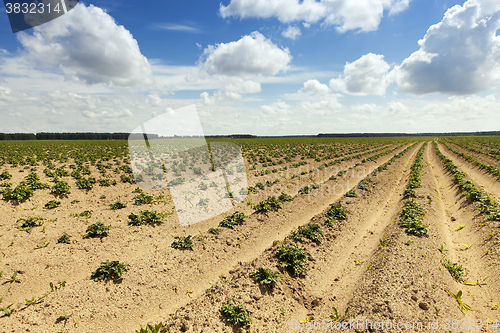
(185, 289)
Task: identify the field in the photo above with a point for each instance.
(320, 233)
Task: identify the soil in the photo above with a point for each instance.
(366, 263)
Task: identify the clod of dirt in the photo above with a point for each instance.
(453, 219)
(423, 306)
(316, 302)
(415, 298)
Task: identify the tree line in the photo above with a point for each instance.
(74, 136)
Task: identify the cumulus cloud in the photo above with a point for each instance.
(253, 54)
(291, 32)
(87, 46)
(459, 55)
(275, 108)
(363, 15)
(314, 87)
(366, 76)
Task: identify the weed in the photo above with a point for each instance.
(265, 276)
(492, 234)
(41, 246)
(461, 305)
(14, 278)
(52, 204)
(337, 316)
(408, 242)
(292, 256)
(158, 328)
(467, 246)
(64, 317)
(478, 282)
(183, 243)
(34, 300)
(437, 311)
(236, 314)
(97, 229)
(214, 231)
(460, 227)
(442, 250)
(383, 242)
(312, 232)
(62, 284)
(7, 310)
(109, 270)
(456, 270)
(64, 239)
(232, 221)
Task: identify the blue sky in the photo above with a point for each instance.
(273, 67)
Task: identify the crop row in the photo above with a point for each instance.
(411, 216)
(490, 168)
(487, 203)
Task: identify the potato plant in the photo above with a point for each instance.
(97, 230)
(236, 314)
(109, 270)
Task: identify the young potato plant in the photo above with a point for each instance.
(411, 218)
(109, 270)
(183, 243)
(27, 224)
(236, 314)
(312, 232)
(271, 203)
(213, 231)
(146, 217)
(64, 239)
(86, 213)
(265, 276)
(19, 193)
(456, 270)
(232, 221)
(97, 230)
(143, 199)
(61, 188)
(118, 205)
(52, 204)
(335, 213)
(85, 184)
(292, 256)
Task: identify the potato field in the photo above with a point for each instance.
(318, 234)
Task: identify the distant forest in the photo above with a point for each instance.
(74, 136)
(125, 136)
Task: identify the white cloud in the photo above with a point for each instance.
(292, 32)
(306, 25)
(363, 15)
(87, 46)
(366, 76)
(251, 55)
(275, 108)
(459, 55)
(178, 27)
(314, 87)
(365, 108)
(323, 106)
